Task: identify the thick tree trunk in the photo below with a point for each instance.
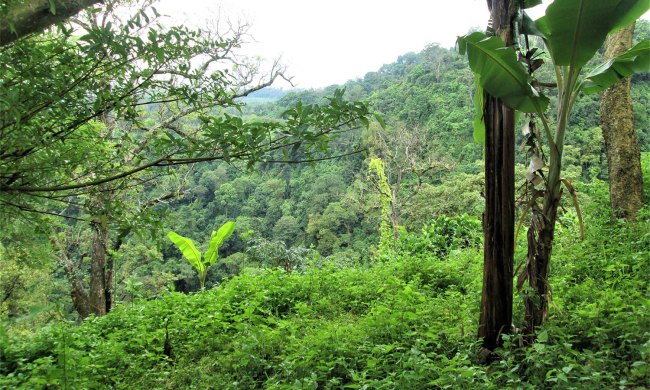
(98, 269)
(499, 217)
(27, 17)
(79, 296)
(621, 143)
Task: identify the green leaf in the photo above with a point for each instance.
(500, 74)
(216, 240)
(634, 11)
(635, 60)
(364, 121)
(479, 124)
(576, 29)
(52, 7)
(542, 337)
(187, 248)
(529, 27)
(380, 120)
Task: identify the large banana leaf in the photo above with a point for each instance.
(635, 60)
(500, 74)
(187, 248)
(576, 29)
(216, 240)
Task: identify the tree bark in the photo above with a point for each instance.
(29, 17)
(499, 216)
(79, 296)
(621, 143)
(99, 274)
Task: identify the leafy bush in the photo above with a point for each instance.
(442, 235)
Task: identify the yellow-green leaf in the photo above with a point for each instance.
(187, 248)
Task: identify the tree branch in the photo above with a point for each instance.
(30, 17)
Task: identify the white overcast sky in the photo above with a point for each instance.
(326, 42)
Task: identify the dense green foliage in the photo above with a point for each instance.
(337, 276)
(407, 322)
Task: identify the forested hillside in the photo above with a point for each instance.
(356, 257)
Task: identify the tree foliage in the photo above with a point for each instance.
(132, 95)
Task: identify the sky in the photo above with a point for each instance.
(325, 42)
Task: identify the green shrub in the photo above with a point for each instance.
(443, 235)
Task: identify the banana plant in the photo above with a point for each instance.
(572, 32)
(202, 263)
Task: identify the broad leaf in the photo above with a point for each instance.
(635, 60)
(500, 74)
(634, 12)
(380, 120)
(187, 248)
(479, 124)
(216, 240)
(529, 27)
(576, 29)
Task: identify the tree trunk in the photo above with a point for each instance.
(78, 294)
(108, 279)
(79, 297)
(621, 143)
(499, 216)
(394, 215)
(99, 274)
(30, 17)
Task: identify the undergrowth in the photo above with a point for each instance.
(408, 322)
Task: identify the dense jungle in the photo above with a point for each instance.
(466, 217)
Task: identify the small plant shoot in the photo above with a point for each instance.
(202, 263)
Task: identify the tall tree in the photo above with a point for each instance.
(408, 156)
(499, 216)
(621, 142)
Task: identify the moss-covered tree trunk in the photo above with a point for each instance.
(499, 216)
(99, 273)
(621, 143)
(78, 293)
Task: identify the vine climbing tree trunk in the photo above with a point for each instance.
(621, 143)
(499, 216)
